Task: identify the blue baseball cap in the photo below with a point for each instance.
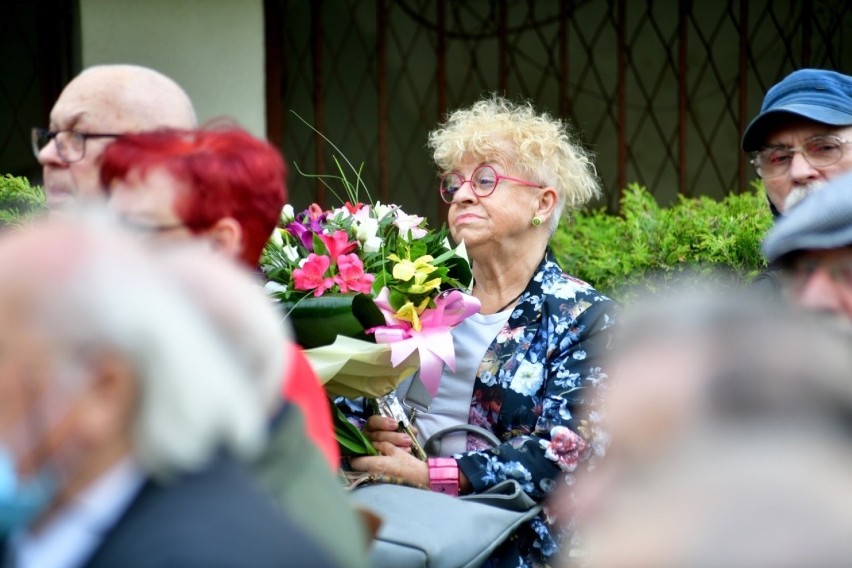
(816, 94)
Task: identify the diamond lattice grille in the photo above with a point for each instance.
(660, 90)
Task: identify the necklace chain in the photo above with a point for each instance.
(512, 301)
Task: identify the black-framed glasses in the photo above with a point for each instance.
(819, 151)
(70, 144)
(483, 182)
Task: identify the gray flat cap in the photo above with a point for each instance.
(821, 221)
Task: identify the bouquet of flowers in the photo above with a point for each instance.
(372, 295)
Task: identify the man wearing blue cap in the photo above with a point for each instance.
(803, 135)
(812, 248)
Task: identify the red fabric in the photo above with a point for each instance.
(303, 388)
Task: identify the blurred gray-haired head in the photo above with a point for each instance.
(87, 290)
(731, 430)
(822, 221)
(239, 311)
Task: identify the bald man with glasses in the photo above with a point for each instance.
(98, 105)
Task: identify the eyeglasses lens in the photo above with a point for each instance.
(70, 145)
(822, 152)
(484, 180)
(819, 152)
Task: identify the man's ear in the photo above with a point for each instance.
(226, 237)
(107, 408)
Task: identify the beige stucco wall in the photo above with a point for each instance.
(213, 48)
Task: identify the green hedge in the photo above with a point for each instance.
(645, 246)
(19, 201)
(648, 245)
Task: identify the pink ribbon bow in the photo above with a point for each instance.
(434, 342)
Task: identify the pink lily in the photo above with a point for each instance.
(311, 275)
(337, 243)
(351, 276)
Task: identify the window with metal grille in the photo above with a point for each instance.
(660, 90)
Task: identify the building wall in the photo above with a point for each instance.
(213, 48)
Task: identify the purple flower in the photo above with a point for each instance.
(304, 234)
(307, 224)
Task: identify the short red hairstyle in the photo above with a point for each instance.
(229, 173)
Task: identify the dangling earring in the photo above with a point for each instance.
(536, 221)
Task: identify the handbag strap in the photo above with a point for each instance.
(432, 447)
(416, 397)
(508, 495)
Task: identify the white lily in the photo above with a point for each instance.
(274, 287)
(367, 233)
(291, 252)
(406, 223)
(382, 210)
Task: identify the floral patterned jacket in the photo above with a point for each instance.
(538, 388)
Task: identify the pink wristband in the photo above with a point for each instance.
(444, 476)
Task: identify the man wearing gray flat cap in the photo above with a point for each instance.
(801, 138)
(812, 248)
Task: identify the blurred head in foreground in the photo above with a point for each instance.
(240, 311)
(731, 441)
(105, 361)
(812, 248)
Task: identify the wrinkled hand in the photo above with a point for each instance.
(393, 461)
(383, 429)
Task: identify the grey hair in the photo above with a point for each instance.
(767, 404)
(241, 313)
(194, 398)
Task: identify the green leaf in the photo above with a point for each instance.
(318, 321)
(351, 440)
(319, 246)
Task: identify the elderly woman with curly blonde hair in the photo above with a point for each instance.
(528, 365)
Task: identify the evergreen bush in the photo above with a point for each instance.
(647, 246)
(19, 201)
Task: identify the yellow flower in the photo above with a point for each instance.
(420, 286)
(411, 313)
(405, 270)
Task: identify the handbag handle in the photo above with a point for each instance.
(432, 447)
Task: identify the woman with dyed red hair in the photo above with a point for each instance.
(221, 184)
(226, 187)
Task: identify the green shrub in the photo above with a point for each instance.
(19, 201)
(648, 245)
